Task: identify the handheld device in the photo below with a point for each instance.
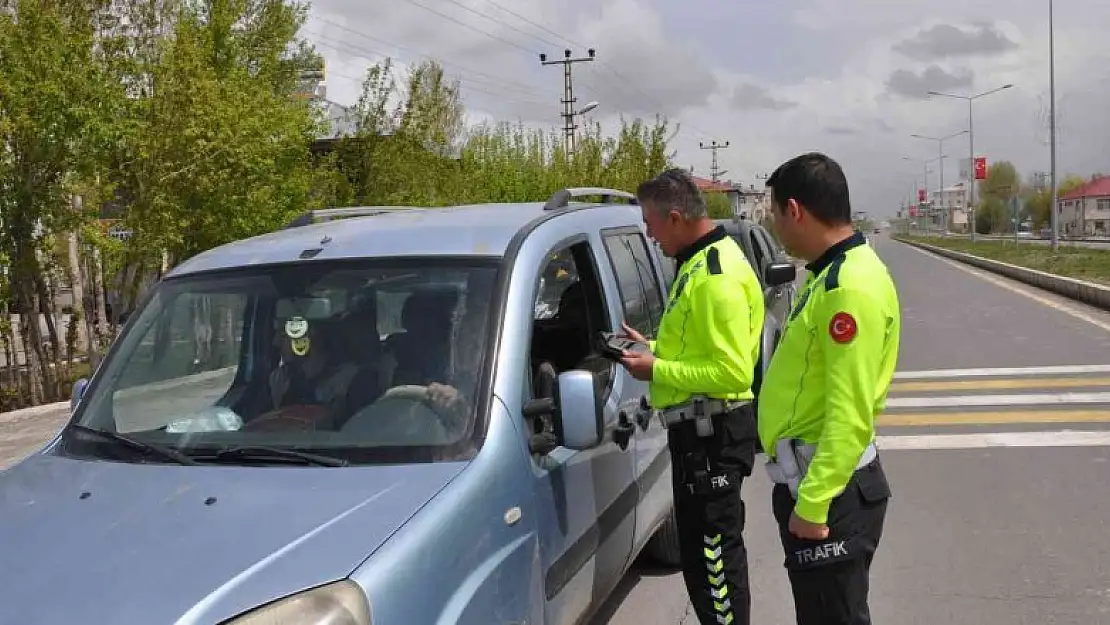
(614, 345)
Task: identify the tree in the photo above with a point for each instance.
(1003, 182)
(719, 205)
(992, 216)
(56, 106)
(1070, 183)
(1038, 202)
(219, 149)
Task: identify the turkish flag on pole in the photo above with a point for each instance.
(980, 168)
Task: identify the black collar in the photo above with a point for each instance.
(714, 235)
(837, 249)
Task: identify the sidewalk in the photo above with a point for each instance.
(25, 431)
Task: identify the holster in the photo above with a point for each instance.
(792, 459)
(700, 475)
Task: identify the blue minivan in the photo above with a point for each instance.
(395, 417)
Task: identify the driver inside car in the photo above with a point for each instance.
(421, 352)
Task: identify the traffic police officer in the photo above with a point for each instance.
(826, 384)
(701, 367)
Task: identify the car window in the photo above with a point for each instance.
(648, 280)
(666, 264)
(633, 298)
(769, 243)
(329, 356)
(569, 313)
(759, 251)
(559, 273)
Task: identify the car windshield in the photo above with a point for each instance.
(367, 362)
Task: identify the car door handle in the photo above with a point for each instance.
(644, 413)
(624, 430)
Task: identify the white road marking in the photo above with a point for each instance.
(997, 439)
(1024, 290)
(1001, 371)
(1031, 399)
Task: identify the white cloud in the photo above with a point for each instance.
(862, 110)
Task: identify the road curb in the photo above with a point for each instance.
(1088, 293)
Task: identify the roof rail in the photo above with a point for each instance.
(562, 197)
(327, 214)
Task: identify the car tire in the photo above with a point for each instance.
(663, 547)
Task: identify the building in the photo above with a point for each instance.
(749, 203)
(953, 202)
(1086, 211)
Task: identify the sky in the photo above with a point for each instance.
(775, 79)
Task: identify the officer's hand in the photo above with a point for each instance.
(639, 364)
(631, 333)
(804, 529)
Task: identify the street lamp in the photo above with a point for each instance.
(971, 145)
(589, 107)
(940, 150)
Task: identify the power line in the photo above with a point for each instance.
(461, 69)
(714, 171)
(568, 91)
(464, 24)
(497, 21)
(633, 88)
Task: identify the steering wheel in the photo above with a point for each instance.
(295, 417)
(414, 392)
(417, 393)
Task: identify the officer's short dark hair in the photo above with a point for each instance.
(816, 182)
(674, 188)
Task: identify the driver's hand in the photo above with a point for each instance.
(444, 396)
(631, 333)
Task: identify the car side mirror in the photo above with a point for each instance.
(78, 391)
(580, 410)
(778, 274)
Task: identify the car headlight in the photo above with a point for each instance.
(341, 603)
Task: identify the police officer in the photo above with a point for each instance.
(701, 367)
(825, 385)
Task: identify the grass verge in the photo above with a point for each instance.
(1082, 263)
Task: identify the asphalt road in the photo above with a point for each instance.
(976, 534)
(1000, 494)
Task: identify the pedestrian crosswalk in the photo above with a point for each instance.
(1045, 398)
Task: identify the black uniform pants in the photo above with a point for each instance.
(708, 473)
(829, 577)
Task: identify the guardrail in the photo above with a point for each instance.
(1089, 293)
(1073, 241)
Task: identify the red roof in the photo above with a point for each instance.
(1100, 187)
(706, 185)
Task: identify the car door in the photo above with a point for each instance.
(586, 499)
(642, 303)
(779, 300)
(651, 440)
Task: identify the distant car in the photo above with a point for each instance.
(876, 231)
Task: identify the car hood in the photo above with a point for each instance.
(126, 544)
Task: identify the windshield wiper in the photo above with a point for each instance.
(255, 453)
(166, 453)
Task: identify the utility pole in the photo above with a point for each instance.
(714, 172)
(568, 91)
(1053, 219)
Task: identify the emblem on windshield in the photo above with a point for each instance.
(296, 327)
(300, 346)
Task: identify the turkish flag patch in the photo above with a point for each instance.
(842, 328)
